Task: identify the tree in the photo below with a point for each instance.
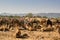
(29, 15)
(39, 16)
(45, 17)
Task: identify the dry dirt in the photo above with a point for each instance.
(33, 35)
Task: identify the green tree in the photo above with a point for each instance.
(29, 15)
(45, 17)
(39, 16)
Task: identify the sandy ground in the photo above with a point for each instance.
(33, 35)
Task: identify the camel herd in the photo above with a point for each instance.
(30, 24)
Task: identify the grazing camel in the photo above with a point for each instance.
(16, 31)
(53, 20)
(29, 27)
(59, 30)
(48, 26)
(4, 28)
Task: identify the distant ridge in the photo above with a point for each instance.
(35, 14)
(49, 14)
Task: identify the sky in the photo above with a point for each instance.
(30, 6)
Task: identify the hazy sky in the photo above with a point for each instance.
(32, 6)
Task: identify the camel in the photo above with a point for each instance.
(53, 20)
(16, 31)
(48, 29)
(4, 28)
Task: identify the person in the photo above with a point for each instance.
(49, 22)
